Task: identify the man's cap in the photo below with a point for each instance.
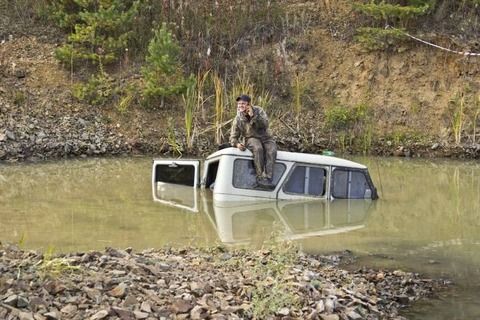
(244, 97)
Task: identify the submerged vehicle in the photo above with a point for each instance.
(314, 195)
(240, 223)
(230, 174)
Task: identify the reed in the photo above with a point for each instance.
(299, 87)
(201, 100)
(458, 118)
(241, 85)
(125, 103)
(367, 137)
(190, 99)
(476, 114)
(265, 99)
(219, 107)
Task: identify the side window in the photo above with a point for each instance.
(349, 184)
(306, 180)
(316, 181)
(296, 181)
(244, 173)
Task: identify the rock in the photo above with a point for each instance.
(118, 291)
(99, 315)
(10, 135)
(180, 306)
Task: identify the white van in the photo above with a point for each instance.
(230, 174)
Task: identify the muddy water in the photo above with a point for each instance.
(427, 219)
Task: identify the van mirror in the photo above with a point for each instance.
(368, 194)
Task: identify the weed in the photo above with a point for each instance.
(125, 104)
(18, 98)
(273, 262)
(270, 267)
(55, 266)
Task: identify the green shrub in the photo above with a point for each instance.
(339, 117)
(163, 73)
(380, 39)
(386, 11)
(99, 30)
(393, 15)
(97, 91)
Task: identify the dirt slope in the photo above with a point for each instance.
(409, 94)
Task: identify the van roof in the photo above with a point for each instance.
(293, 157)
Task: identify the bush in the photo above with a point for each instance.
(163, 73)
(100, 30)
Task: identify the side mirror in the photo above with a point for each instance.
(367, 194)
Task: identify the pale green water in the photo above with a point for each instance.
(427, 219)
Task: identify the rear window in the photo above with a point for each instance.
(175, 173)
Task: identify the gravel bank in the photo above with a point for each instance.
(192, 283)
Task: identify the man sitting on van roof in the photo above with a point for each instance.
(250, 131)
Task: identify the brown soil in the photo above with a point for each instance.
(409, 93)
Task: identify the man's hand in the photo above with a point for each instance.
(241, 147)
(249, 111)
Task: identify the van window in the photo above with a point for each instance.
(306, 181)
(244, 173)
(177, 174)
(349, 184)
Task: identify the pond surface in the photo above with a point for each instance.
(427, 219)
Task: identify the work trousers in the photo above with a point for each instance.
(264, 156)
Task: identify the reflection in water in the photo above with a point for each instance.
(251, 223)
(426, 220)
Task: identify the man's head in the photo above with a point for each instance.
(243, 101)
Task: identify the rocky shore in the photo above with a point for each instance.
(29, 135)
(193, 283)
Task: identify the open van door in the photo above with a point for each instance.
(176, 182)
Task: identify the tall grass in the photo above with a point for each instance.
(219, 107)
(202, 79)
(242, 85)
(190, 105)
(265, 100)
(457, 117)
(299, 87)
(476, 114)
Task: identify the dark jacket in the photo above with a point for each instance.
(245, 127)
